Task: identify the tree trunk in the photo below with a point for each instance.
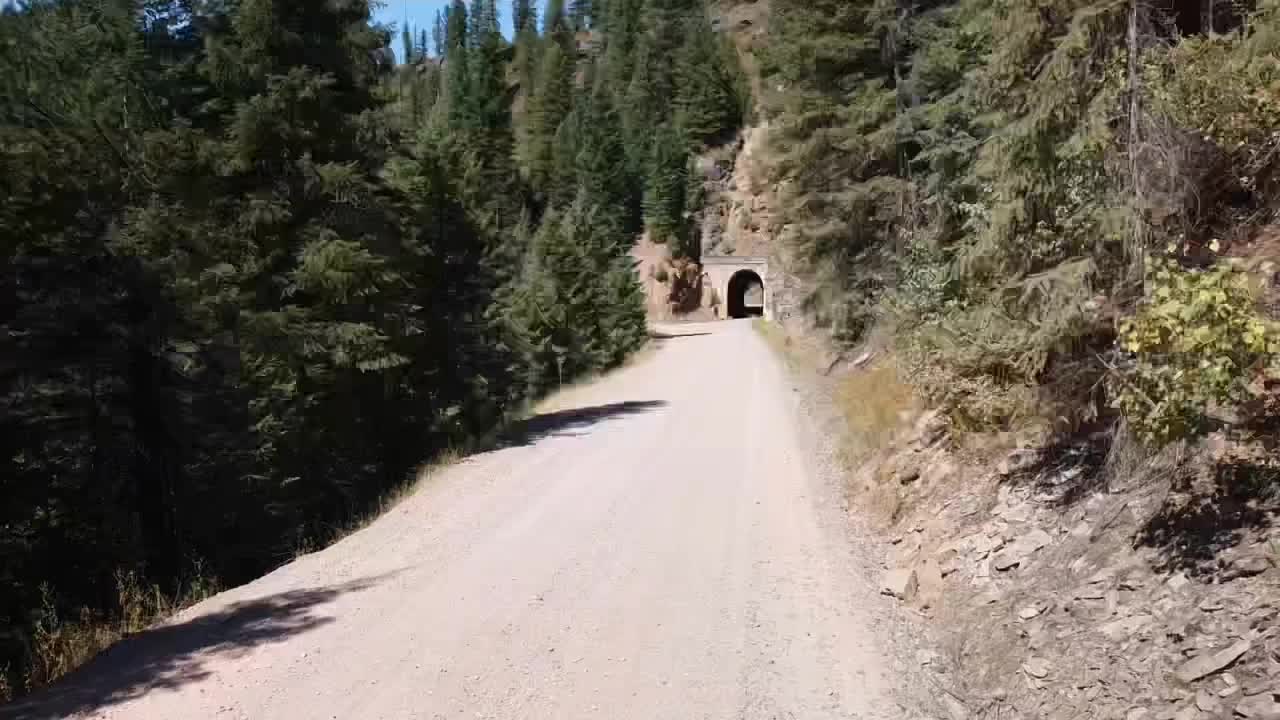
(1135, 137)
(154, 464)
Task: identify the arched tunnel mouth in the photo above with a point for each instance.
(746, 295)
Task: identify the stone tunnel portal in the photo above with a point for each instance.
(738, 286)
(746, 295)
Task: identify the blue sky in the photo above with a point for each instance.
(422, 13)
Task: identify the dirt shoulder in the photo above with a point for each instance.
(1056, 580)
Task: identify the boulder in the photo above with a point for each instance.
(1189, 712)
(1124, 628)
(1259, 707)
(1036, 667)
(900, 583)
(1020, 549)
(1210, 663)
(1029, 612)
(1247, 566)
(1207, 702)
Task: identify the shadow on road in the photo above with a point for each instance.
(563, 422)
(659, 335)
(171, 656)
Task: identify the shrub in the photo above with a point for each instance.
(1195, 344)
(1221, 86)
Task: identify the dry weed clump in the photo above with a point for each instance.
(59, 644)
(876, 405)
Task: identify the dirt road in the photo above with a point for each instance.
(660, 545)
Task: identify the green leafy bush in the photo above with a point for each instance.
(1196, 343)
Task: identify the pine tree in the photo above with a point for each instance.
(87, 435)
(622, 27)
(523, 15)
(647, 101)
(600, 177)
(528, 48)
(664, 198)
(487, 98)
(625, 326)
(554, 20)
(457, 75)
(439, 32)
(548, 108)
(709, 86)
(406, 46)
(582, 14)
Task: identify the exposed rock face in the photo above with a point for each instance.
(1061, 604)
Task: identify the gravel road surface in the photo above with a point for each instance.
(657, 545)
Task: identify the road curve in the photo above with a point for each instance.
(655, 546)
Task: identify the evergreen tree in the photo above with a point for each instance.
(582, 14)
(622, 27)
(664, 197)
(527, 59)
(486, 98)
(548, 108)
(456, 56)
(648, 95)
(439, 32)
(600, 177)
(554, 20)
(407, 46)
(709, 85)
(523, 15)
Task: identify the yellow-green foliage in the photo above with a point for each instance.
(1196, 343)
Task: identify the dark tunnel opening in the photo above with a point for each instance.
(746, 295)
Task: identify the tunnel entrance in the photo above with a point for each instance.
(746, 295)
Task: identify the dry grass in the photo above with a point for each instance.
(877, 406)
(878, 409)
(59, 645)
(874, 401)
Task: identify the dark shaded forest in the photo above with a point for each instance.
(256, 271)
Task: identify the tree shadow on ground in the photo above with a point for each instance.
(564, 422)
(170, 656)
(1195, 525)
(660, 336)
(1067, 470)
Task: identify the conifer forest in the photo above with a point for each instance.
(258, 268)
(263, 259)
